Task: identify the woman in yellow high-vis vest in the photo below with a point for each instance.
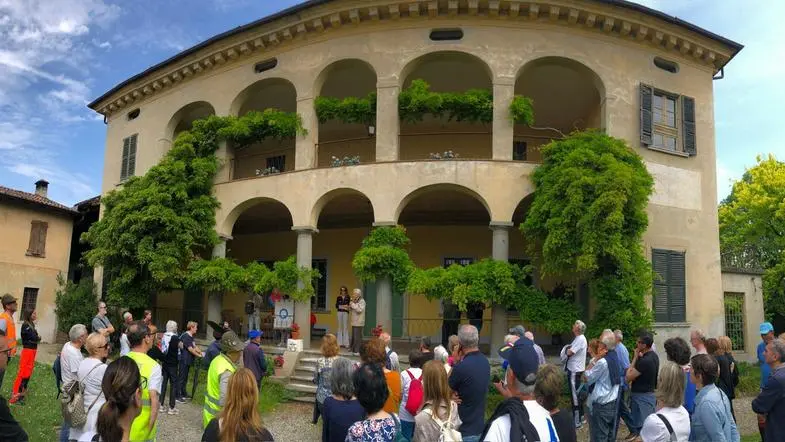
(221, 369)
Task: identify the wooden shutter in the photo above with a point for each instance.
(124, 165)
(647, 126)
(677, 286)
(688, 122)
(659, 262)
(37, 244)
(132, 156)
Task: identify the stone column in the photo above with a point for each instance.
(305, 148)
(215, 299)
(501, 252)
(503, 92)
(302, 309)
(225, 156)
(387, 121)
(384, 303)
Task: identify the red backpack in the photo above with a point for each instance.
(414, 400)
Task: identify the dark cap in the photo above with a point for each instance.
(8, 299)
(523, 360)
(230, 342)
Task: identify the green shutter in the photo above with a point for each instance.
(688, 122)
(132, 156)
(678, 287)
(670, 286)
(647, 123)
(659, 262)
(124, 164)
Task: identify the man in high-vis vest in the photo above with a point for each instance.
(8, 329)
(221, 369)
(145, 426)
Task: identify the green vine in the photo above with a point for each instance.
(155, 225)
(349, 110)
(383, 253)
(522, 110)
(588, 218)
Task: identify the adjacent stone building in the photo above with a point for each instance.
(611, 65)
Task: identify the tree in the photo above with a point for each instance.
(587, 220)
(752, 228)
(156, 225)
(383, 253)
(74, 303)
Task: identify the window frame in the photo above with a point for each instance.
(33, 291)
(127, 158)
(668, 283)
(737, 346)
(525, 151)
(459, 260)
(274, 160)
(320, 285)
(662, 128)
(36, 246)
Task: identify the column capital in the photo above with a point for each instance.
(305, 98)
(500, 225)
(305, 229)
(224, 237)
(387, 83)
(384, 224)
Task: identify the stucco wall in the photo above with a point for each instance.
(18, 271)
(751, 285)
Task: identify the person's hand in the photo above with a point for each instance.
(502, 389)
(456, 398)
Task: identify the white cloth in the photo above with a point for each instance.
(125, 346)
(92, 392)
(406, 382)
(358, 313)
(70, 358)
(156, 379)
(499, 430)
(577, 362)
(395, 364)
(654, 429)
(343, 329)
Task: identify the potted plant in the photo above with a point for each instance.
(377, 331)
(278, 362)
(295, 331)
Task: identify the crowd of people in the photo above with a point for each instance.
(441, 396)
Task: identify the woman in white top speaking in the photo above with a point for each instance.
(91, 374)
(671, 422)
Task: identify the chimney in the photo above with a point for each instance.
(41, 186)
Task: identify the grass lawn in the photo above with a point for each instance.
(41, 417)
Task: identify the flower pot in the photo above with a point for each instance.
(295, 334)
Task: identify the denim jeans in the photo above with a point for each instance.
(407, 429)
(475, 438)
(641, 406)
(65, 432)
(602, 418)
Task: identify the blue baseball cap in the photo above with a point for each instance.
(766, 328)
(523, 360)
(253, 334)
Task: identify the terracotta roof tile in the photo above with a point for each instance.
(33, 198)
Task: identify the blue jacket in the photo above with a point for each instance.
(712, 420)
(765, 370)
(771, 402)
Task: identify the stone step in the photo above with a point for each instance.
(304, 399)
(302, 379)
(302, 388)
(310, 369)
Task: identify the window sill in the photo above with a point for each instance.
(671, 152)
(321, 310)
(35, 255)
(672, 325)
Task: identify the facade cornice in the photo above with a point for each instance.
(599, 17)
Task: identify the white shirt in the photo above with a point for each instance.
(92, 392)
(499, 430)
(577, 362)
(70, 358)
(125, 346)
(654, 429)
(156, 379)
(406, 381)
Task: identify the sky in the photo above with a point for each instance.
(58, 55)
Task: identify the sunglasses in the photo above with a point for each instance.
(143, 383)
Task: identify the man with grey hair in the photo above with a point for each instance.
(469, 380)
(101, 323)
(125, 347)
(520, 414)
(540, 355)
(771, 400)
(575, 354)
(70, 358)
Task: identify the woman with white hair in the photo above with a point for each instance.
(91, 374)
(170, 348)
(440, 354)
(357, 309)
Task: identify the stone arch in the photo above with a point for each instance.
(335, 67)
(183, 119)
(229, 223)
(280, 94)
(445, 57)
(441, 187)
(521, 209)
(344, 195)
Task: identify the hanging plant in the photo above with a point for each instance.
(382, 254)
(349, 110)
(417, 101)
(345, 161)
(447, 155)
(287, 276)
(267, 171)
(522, 110)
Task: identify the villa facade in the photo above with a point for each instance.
(610, 65)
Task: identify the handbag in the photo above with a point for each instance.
(72, 402)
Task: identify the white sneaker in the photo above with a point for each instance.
(161, 409)
(173, 411)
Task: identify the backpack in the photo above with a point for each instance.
(249, 307)
(447, 433)
(414, 399)
(72, 402)
(58, 371)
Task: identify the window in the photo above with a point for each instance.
(446, 34)
(460, 261)
(734, 319)
(128, 167)
(133, 114)
(37, 245)
(667, 121)
(278, 162)
(29, 299)
(519, 151)
(319, 300)
(669, 297)
(265, 65)
(666, 65)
